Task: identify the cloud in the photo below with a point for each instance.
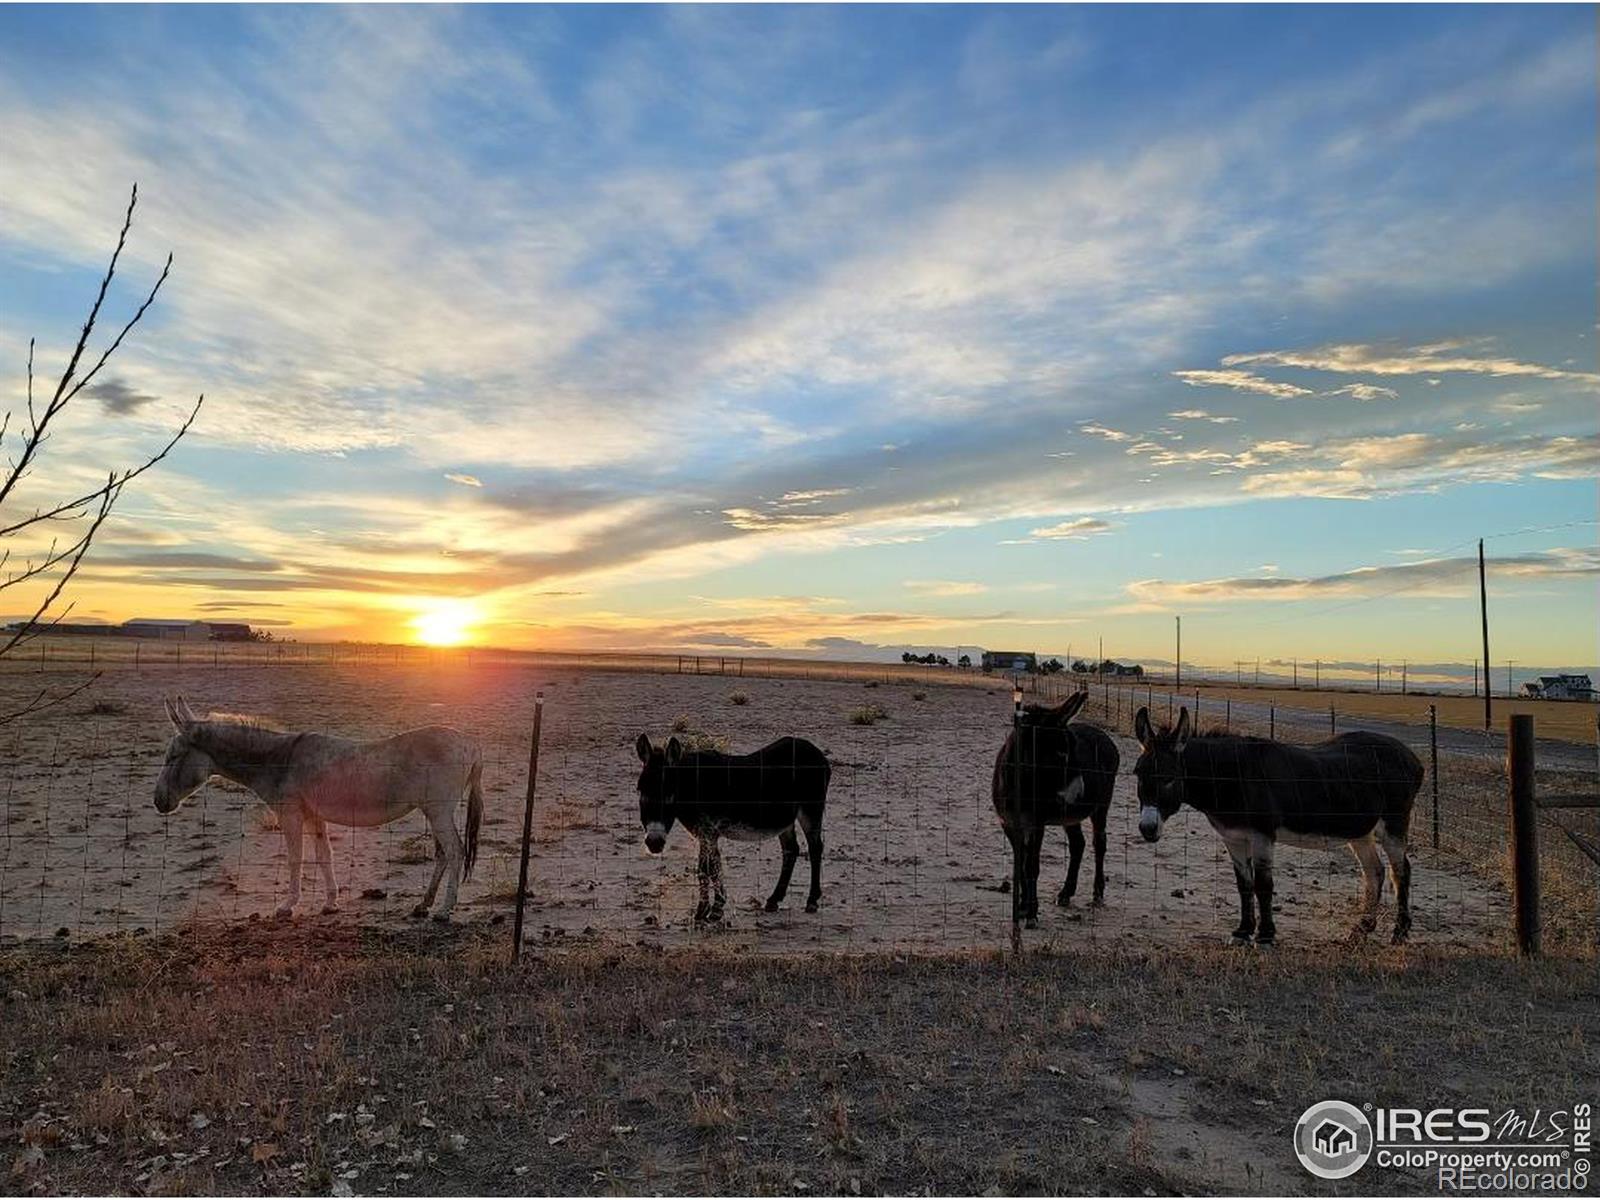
(1095, 429)
(1438, 358)
(946, 587)
(1200, 414)
(118, 397)
(1365, 391)
(471, 481)
(1078, 528)
(1241, 381)
(1431, 577)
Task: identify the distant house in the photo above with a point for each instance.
(1559, 687)
(1010, 660)
(1121, 670)
(167, 629)
(229, 631)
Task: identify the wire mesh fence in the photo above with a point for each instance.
(914, 859)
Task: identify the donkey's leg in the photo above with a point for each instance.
(423, 905)
(1019, 876)
(318, 828)
(1099, 819)
(1035, 844)
(1244, 876)
(703, 877)
(1366, 852)
(1394, 847)
(791, 852)
(455, 857)
(719, 892)
(1261, 851)
(811, 826)
(1074, 861)
(291, 820)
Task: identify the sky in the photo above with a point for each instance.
(834, 331)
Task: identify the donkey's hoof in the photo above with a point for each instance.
(1266, 941)
(1098, 902)
(419, 911)
(443, 918)
(1239, 939)
(1063, 901)
(1031, 923)
(1401, 936)
(811, 906)
(284, 912)
(771, 906)
(329, 909)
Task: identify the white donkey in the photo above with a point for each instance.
(309, 779)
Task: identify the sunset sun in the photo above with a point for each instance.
(447, 624)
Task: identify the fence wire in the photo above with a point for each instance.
(915, 857)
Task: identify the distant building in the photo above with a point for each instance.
(1559, 687)
(1010, 660)
(229, 631)
(1121, 670)
(167, 629)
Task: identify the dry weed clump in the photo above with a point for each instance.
(868, 714)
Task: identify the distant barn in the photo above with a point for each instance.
(167, 629)
(1010, 660)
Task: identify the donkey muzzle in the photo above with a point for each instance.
(1150, 823)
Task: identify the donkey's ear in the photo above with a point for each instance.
(185, 713)
(1071, 707)
(172, 713)
(1181, 734)
(642, 747)
(674, 750)
(1142, 729)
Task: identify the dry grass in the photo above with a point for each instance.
(283, 1060)
(868, 714)
(739, 698)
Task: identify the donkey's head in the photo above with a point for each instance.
(1043, 716)
(658, 790)
(1159, 770)
(187, 766)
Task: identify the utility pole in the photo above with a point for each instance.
(1483, 610)
(1316, 684)
(1258, 672)
(1297, 674)
(1178, 668)
(1405, 666)
(1377, 675)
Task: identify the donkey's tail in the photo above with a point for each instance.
(474, 816)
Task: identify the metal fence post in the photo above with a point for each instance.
(1272, 722)
(1524, 833)
(1333, 722)
(527, 826)
(1433, 767)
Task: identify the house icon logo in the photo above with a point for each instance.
(1333, 1139)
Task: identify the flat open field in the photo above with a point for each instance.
(304, 1060)
(914, 858)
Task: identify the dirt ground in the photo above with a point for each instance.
(334, 1059)
(914, 858)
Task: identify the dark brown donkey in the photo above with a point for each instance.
(1052, 772)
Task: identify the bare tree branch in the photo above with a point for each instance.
(94, 506)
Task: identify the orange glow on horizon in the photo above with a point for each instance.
(448, 623)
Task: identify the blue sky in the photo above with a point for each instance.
(832, 330)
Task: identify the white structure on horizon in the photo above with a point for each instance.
(1559, 687)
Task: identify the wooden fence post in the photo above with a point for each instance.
(527, 827)
(1524, 832)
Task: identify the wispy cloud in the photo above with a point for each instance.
(1440, 358)
(1242, 381)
